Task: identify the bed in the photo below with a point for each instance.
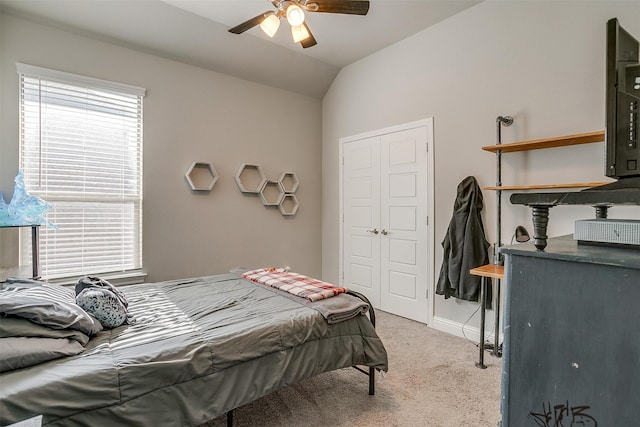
(198, 349)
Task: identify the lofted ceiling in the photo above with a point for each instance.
(195, 32)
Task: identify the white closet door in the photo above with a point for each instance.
(403, 201)
(361, 207)
(385, 229)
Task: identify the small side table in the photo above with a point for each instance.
(486, 272)
(35, 247)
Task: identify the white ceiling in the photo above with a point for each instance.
(195, 32)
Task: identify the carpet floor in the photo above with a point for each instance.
(432, 382)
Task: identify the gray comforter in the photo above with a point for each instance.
(200, 347)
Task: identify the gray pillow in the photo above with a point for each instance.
(49, 305)
(21, 327)
(23, 352)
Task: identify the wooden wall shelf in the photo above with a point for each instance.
(536, 144)
(489, 270)
(547, 186)
(541, 214)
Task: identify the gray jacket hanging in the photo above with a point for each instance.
(465, 245)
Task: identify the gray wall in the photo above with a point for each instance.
(190, 114)
(541, 62)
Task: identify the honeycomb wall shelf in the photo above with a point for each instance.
(289, 182)
(250, 178)
(289, 205)
(271, 193)
(201, 176)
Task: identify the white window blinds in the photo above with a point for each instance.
(81, 150)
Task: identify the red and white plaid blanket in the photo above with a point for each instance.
(294, 283)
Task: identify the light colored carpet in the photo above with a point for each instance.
(432, 382)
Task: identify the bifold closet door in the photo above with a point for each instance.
(385, 221)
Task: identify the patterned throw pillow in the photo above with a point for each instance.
(103, 305)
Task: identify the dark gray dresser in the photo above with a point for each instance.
(571, 336)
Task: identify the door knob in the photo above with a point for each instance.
(374, 231)
(384, 232)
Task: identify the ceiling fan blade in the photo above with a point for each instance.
(309, 41)
(351, 7)
(247, 25)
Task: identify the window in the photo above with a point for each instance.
(81, 151)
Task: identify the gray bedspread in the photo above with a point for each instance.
(200, 347)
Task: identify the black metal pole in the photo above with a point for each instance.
(497, 257)
(35, 251)
(372, 381)
(483, 306)
(500, 121)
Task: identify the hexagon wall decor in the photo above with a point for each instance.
(289, 182)
(201, 176)
(271, 193)
(250, 178)
(288, 205)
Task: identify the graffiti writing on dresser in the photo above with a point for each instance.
(563, 415)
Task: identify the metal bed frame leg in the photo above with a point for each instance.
(230, 418)
(372, 318)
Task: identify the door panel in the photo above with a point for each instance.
(402, 285)
(402, 218)
(402, 185)
(362, 246)
(402, 251)
(362, 187)
(403, 203)
(361, 207)
(361, 276)
(402, 151)
(363, 216)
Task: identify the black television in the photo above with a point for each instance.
(622, 103)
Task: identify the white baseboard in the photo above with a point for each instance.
(455, 328)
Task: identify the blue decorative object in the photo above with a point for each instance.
(24, 209)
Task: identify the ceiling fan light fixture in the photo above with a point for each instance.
(295, 15)
(294, 10)
(270, 25)
(299, 33)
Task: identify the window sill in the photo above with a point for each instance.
(116, 279)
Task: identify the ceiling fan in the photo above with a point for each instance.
(293, 10)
